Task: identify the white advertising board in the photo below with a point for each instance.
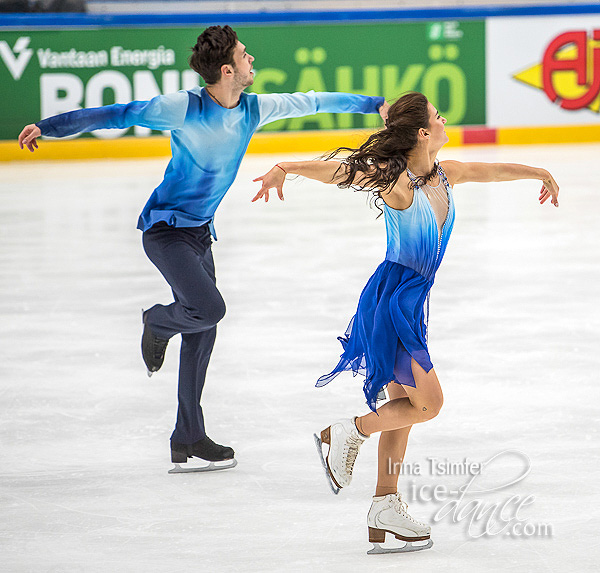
(543, 71)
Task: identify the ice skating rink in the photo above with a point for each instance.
(84, 434)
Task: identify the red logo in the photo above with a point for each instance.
(569, 71)
(585, 66)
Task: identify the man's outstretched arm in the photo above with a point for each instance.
(282, 106)
(161, 113)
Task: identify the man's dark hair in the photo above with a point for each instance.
(214, 48)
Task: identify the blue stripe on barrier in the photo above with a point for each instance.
(22, 21)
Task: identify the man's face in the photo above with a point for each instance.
(242, 66)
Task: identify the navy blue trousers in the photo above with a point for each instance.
(184, 258)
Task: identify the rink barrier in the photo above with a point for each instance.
(291, 142)
(62, 21)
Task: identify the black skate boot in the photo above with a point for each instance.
(204, 449)
(153, 349)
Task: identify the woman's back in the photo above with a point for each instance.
(417, 236)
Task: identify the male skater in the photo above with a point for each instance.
(210, 131)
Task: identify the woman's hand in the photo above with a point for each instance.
(383, 111)
(272, 180)
(28, 137)
(549, 189)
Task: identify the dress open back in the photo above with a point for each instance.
(438, 199)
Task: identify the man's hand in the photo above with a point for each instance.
(383, 111)
(28, 137)
(272, 179)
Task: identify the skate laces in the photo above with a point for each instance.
(401, 507)
(353, 444)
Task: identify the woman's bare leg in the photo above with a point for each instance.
(424, 403)
(392, 448)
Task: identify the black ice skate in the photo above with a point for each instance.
(204, 449)
(153, 349)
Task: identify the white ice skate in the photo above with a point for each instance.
(344, 442)
(388, 514)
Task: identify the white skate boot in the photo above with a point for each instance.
(344, 442)
(388, 515)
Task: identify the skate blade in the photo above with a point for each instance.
(408, 548)
(334, 488)
(211, 467)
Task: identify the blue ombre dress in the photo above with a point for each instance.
(390, 325)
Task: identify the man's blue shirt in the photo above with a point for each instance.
(208, 141)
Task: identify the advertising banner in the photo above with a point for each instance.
(43, 73)
(543, 71)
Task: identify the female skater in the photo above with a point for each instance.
(387, 338)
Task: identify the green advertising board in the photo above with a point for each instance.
(43, 73)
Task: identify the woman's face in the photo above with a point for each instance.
(437, 132)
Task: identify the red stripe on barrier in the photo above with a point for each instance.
(479, 135)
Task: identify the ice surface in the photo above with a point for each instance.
(84, 434)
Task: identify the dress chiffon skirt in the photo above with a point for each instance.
(388, 329)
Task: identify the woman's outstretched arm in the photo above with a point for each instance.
(324, 171)
(459, 172)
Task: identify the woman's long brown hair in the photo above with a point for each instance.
(379, 161)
